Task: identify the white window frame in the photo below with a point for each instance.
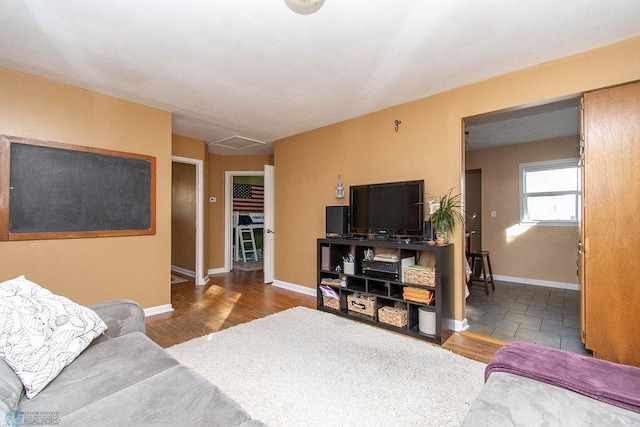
(548, 165)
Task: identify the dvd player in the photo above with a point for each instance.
(383, 269)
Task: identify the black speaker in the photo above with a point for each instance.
(337, 220)
(428, 233)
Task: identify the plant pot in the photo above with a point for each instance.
(441, 238)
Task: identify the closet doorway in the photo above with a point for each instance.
(187, 242)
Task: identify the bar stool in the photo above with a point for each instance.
(487, 273)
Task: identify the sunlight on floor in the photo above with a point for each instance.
(223, 310)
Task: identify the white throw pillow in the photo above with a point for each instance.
(41, 333)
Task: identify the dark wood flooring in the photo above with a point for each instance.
(240, 296)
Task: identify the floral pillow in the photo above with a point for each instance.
(41, 333)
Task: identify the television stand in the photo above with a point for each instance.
(388, 290)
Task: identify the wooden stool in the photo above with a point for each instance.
(487, 273)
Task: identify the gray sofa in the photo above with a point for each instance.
(124, 378)
(529, 385)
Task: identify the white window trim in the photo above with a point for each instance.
(545, 165)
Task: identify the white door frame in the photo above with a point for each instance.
(200, 277)
(228, 212)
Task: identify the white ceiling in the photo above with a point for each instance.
(254, 70)
(553, 119)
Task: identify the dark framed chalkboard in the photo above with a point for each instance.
(50, 190)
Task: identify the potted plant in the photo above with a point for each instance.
(445, 212)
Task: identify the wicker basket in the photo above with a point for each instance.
(361, 304)
(423, 296)
(420, 275)
(331, 303)
(393, 316)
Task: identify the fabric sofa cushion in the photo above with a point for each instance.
(130, 380)
(41, 333)
(101, 370)
(512, 400)
(11, 389)
(176, 396)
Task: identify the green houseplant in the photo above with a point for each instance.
(445, 212)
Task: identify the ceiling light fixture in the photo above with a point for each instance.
(304, 7)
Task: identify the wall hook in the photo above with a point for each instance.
(397, 125)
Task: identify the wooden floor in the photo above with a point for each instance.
(240, 296)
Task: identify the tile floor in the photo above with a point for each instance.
(521, 312)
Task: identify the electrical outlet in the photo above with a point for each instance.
(493, 214)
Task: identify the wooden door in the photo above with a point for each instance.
(611, 196)
(581, 257)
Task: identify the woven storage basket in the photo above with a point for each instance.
(332, 303)
(418, 295)
(361, 304)
(420, 275)
(393, 316)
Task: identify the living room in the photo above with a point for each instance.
(366, 148)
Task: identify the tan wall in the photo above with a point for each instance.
(428, 145)
(91, 269)
(183, 216)
(192, 148)
(542, 252)
(218, 166)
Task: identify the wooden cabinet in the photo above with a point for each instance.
(387, 290)
(610, 295)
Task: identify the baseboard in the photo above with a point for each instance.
(545, 283)
(219, 270)
(295, 288)
(183, 271)
(461, 325)
(457, 325)
(159, 309)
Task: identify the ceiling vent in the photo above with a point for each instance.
(237, 143)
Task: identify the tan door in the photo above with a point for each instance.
(581, 260)
(611, 196)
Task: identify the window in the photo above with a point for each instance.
(550, 192)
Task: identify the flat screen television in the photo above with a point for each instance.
(394, 208)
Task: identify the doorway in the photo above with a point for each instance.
(187, 241)
(533, 265)
(473, 209)
(247, 228)
(183, 218)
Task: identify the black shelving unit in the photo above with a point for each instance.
(389, 291)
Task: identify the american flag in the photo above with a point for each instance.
(248, 198)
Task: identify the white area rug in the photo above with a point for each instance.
(305, 367)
